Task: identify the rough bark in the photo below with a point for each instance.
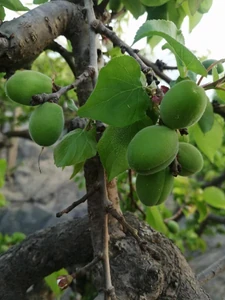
(41, 254)
(24, 38)
(160, 272)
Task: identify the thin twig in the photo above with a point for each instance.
(176, 216)
(78, 202)
(214, 84)
(68, 56)
(41, 98)
(110, 291)
(213, 270)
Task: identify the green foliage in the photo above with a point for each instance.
(135, 7)
(75, 147)
(209, 142)
(112, 147)
(39, 1)
(118, 98)
(174, 37)
(2, 13)
(154, 219)
(15, 5)
(7, 241)
(214, 197)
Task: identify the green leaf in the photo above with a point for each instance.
(180, 65)
(39, 1)
(135, 7)
(51, 281)
(153, 2)
(2, 200)
(195, 18)
(174, 37)
(15, 5)
(118, 98)
(209, 142)
(214, 197)
(2, 13)
(76, 147)
(112, 147)
(154, 219)
(202, 210)
(71, 105)
(175, 14)
(2, 172)
(163, 28)
(194, 5)
(158, 12)
(205, 6)
(76, 169)
(207, 119)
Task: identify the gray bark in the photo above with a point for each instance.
(160, 272)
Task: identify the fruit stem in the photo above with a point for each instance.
(39, 159)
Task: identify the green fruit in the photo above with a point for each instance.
(46, 124)
(190, 159)
(154, 189)
(173, 226)
(207, 63)
(24, 84)
(183, 105)
(152, 149)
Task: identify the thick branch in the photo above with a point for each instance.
(24, 38)
(42, 253)
(22, 134)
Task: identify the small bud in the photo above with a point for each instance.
(64, 281)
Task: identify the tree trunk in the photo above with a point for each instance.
(158, 272)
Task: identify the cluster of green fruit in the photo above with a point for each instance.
(47, 120)
(154, 148)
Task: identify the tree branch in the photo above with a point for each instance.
(24, 38)
(102, 29)
(41, 98)
(42, 253)
(22, 134)
(213, 270)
